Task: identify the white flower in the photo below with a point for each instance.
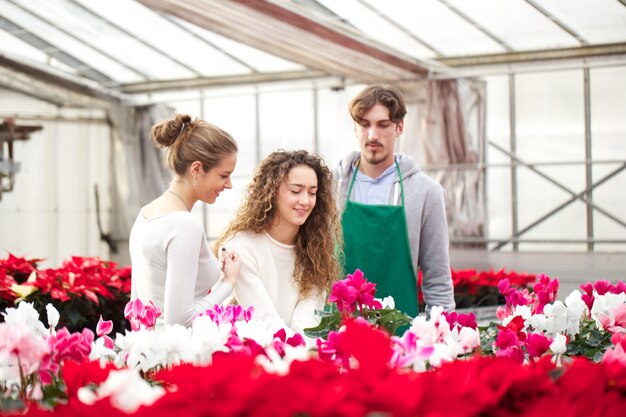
(53, 316)
(559, 344)
(25, 315)
(127, 389)
(274, 364)
(259, 331)
(521, 311)
(387, 302)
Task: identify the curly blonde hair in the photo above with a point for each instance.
(319, 239)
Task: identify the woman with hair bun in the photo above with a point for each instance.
(171, 262)
(286, 232)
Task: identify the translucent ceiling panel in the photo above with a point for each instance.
(440, 26)
(58, 38)
(369, 21)
(154, 45)
(11, 45)
(516, 23)
(597, 21)
(248, 56)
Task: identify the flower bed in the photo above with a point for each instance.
(542, 356)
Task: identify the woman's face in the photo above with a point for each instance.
(297, 195)
(210, 184)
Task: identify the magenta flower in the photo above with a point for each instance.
(537, 344)
(103, 329)
(602, 286)
(64, 346)
(344, 296)
(546, 291)
(228, 314)
(587, 295)
(141, 315)
(365, 290)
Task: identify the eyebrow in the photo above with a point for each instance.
(293, 184)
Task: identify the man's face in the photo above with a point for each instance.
(377, 135)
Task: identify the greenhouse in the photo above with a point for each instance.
(515, 108)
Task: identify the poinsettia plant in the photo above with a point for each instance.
(81, 289)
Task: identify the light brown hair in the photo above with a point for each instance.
(318, 239)
(386, 95)
(188, 141)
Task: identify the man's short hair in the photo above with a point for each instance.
(386, 95)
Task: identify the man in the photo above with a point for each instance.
(394, 218)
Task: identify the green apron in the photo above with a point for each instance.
(377, 242)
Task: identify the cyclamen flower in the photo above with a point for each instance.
(228, 314)
(65, 346)
(615, 320)
(19, 345)
(103, 328)
(53, 316)
(365, 289)
(344, 296)
(126, 389)
(537, 344)
(141, 315)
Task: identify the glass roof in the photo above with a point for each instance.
(121, 42)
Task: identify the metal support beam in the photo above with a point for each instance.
(561, 186)
(46, 47)
(229, 80)
(535, 56)
(557, 22)
(588, 156)
(513, 148)
(563, 205)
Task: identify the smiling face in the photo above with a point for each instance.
(210, 184)
(377, 136)
(296, 196)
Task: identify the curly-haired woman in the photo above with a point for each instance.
(286, 233)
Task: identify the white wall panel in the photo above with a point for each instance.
(50, 213)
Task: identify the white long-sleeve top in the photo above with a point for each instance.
(266, 282)
(173, 266)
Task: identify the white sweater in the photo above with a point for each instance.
(173, 266)
(266, 282)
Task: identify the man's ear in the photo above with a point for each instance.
(400, 128)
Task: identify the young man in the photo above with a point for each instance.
(394, 218)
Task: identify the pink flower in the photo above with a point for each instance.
(602, 286)
(344, 295)
(228, 314)
(141, 315)
(537, 344)
(545, 291)
(104, 327)
(17, 343)
(615, 321)
(65, 346)
(616, 354)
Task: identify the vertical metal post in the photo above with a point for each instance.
(316, 141)
(205, 209)
(257, 127)
(513, 148)
(482, 126)
(588, 159)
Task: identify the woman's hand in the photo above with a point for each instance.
(231, 263)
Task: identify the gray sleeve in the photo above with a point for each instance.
(434, 259)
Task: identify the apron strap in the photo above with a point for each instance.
(395, 160)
